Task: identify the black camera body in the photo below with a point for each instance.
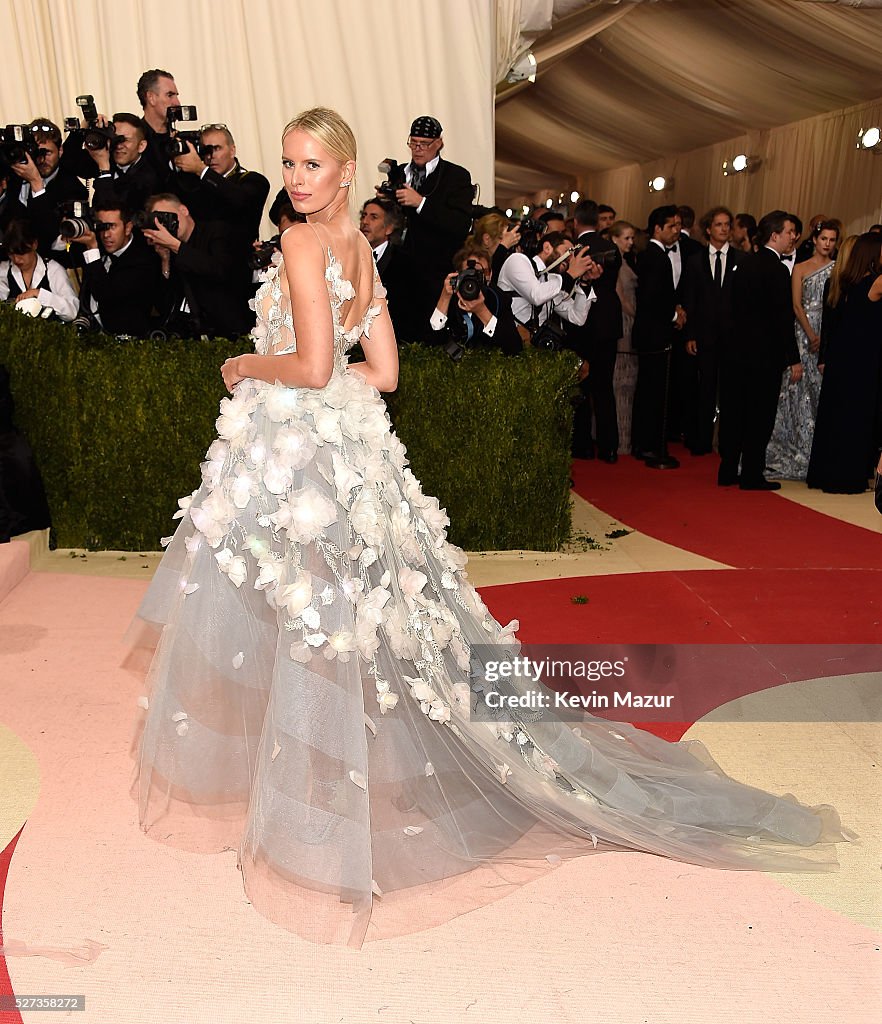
(17, 143)
(531, 236)
(76, 219)
(181, 142)
(549, 337)
(469, 283)
(95, 137)
(262, 255)
(152, 219)
(395, 177)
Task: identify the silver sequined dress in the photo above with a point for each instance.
(787, 455)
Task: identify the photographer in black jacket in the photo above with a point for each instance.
(121, 274)
(204, 286)
(124, 171)
(470, 313)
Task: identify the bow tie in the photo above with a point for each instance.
(785, 259)
(669, 250)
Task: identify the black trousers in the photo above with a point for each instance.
(748, 405)
(647, 429)
(600, 399)
(701, 406)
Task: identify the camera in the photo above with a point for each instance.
(76, 219)
(17, 144)
(95, 137)
(262, 255)
(182, 141)
(469, 283)
(531, 235)
(395, 177)
(549, 337)
(151, 220)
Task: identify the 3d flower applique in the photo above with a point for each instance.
(340, 645)
(327, 595)
(234, 420)
(183, 505)
(276, 751)
(429, 769)
(370, 725)
(233, 565)
(189, 588)
(345, 479)
(181, 726)
(342, 288)
(411, 582)
(239, 660)
(193, 543)
(311, 618)
(243, 487)
(297, 594)
(281, 403)
(507, 633)
(144, 703)
(300, 652)
(385, 697)
(504, 772)
(352, 588)
(364, 515)
(358, 779)
(327, 425)
(165, 541)
(315, 639)
(412, 830)
(213, 517)
(553, 859)
(295, 445)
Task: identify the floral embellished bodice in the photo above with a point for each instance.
(273, 334)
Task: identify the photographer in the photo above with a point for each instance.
(436, 197)
(215, 186)
(536, 293)
(7, 203)
(45, 186)
(121, 277)
(156, 93)
(204, 287)
(469, 313)
(124, 171)
(26, 275)
(381, 222)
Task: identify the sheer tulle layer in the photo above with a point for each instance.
(294, 607)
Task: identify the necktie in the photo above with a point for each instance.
(376, 258)
(470, 326)
(786, 259)
(718, 269)
(417, 177)
(669, 250)
(108, 260)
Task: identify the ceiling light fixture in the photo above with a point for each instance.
(870, 138)
(523, 69)
(660, 183)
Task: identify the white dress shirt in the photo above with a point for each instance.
(544, 292)
(408, 175)
(438, 322)
(380, 249)
(789, 259)
(62, 298)
(674, 257)
(712, 257)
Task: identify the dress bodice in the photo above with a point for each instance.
(274, 334)
(813, 288)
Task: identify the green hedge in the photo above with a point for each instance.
(119, 429)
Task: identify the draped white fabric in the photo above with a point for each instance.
(673, 77)
(254, 64)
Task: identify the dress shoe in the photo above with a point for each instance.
(610, 457)
(759, 485)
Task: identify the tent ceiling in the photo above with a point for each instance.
(630, 82)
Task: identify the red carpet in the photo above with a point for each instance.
(6, 1016)
(743, 528)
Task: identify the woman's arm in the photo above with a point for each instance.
(799, 311)
(380, 366)
(311, 365)
(876, 289)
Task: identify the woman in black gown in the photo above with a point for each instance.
(846, 437)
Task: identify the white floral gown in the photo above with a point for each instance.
(308, 703)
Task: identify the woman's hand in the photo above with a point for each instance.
(231, 373)
(814, 341)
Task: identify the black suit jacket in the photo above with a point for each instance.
(657, 300)
(604, 323)
(44, 215)
(710, 315)
(505, 336)
(134, 186)
(764, 312)
(216, 285)
(434, 235)
(238, 199)
(688, 248)
(394, 271)
(124, 293)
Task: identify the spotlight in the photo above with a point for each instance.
(508, 212)
(660, 183)
(574, 197)
(523, 69)
(739, 163)
(869, 138)
(549, 203)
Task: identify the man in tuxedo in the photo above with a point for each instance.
(710, 325)
(121, 277)
(437, 202)
(764, 344)
(658, 318)
(204, 286)
(596, 342)
(380, 222)
(606, 217)
(43, 186)
(483, 322)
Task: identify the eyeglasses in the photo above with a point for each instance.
(421, 143)
(214, 128)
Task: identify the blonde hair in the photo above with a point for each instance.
(329, 129)
(492, 224)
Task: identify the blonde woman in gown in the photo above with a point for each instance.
(309, 702)
(790, 447)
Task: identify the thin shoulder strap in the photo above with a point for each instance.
(321, 243)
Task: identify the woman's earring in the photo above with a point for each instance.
(345, 184)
